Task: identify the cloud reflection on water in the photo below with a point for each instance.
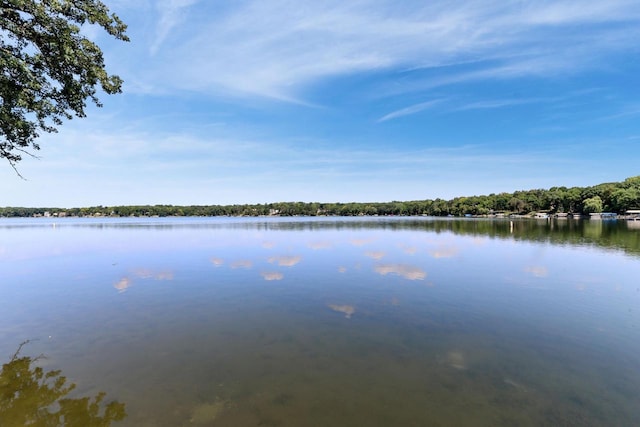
(285, 261)
(537, 271)
(122, 285)
(347, 310)
(409, 272)
(272, 275)
(457, 360)
(361, 242)
(164, 275)
(144, 273)
(377, 255)
(141, 273)
(320, 245)
(444, 252)
(409, 250)
(242, 263)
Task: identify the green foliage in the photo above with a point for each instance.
(49, 69)
(625, 198)
(517, 205)
(614, 197)
(592, 204)
(29, 396)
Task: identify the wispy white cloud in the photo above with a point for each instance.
(506, 68)
(86, 164)
(197, 122)
(413, 109)
(625, 112)
(172, 13)
(279, 48)
(502, 103)
(576, 11)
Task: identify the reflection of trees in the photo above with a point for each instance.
(29, 396)
(609, 234)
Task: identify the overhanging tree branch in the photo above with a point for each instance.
(48, 69)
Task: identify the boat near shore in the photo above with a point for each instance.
(632, 215)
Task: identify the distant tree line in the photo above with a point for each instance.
(615, 197)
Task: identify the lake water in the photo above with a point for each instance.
(320, 322)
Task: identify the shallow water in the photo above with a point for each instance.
(327, 321)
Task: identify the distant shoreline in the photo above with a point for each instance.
(616, 198)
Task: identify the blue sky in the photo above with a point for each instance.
(276, 100)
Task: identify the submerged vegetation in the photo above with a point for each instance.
(608, 197)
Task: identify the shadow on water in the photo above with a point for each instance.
(31, 396)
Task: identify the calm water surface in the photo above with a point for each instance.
(320, 322)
